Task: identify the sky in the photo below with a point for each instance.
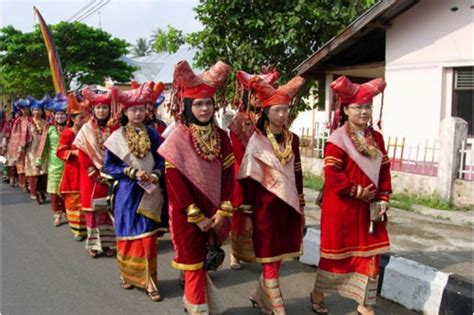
(125, 19)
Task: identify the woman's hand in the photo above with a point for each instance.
(368, 193)
(205, 224)
(143, 176)
(248, 226)
(217, 222)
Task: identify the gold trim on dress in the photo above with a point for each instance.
(135, 237)
(169, 165)
(369, 253)
(189, 267)
(279, 257)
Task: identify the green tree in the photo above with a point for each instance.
(88, 55)
(249, 34)
(169, 40)
(141, 48)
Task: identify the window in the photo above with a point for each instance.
(463, 95)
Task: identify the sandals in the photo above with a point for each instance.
(93, 253)
(57, 220)
(109, 252)
(263, 310)
(318, 307)
(234, 263)
(125, 285)
(79, 238)
(154, 295)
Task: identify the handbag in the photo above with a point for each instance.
(215, 255)
(100, 204)
(375, 207)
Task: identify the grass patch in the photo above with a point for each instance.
(313, 182)
(406, 201)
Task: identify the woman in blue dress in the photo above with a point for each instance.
(132, 160)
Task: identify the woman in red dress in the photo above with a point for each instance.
(199, 177)
(272, 183)
(357, 178)
(241, 129)
(90, 142)
(69, 187)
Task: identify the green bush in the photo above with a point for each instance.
(313, 182)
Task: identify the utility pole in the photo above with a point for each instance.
(100, 22)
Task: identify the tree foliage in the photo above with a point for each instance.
(169, 40)
(88, 55)
(249, 34)
(142, 48)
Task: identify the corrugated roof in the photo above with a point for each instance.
(160, 66)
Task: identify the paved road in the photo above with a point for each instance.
(44, 271)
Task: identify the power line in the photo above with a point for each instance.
(92, 11)
(81, 10)
(89, 10)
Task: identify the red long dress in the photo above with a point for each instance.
(273, 194)
(100, 229)
(349, 262)
(277, 226)
(207, 184)
(70, 183)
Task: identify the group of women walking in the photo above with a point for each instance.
(120, 180)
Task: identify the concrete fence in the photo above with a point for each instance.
(452, 159)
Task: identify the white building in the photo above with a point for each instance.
(423, 49)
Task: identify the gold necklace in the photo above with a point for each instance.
(285, 155)
(365, 145)
(139, 142)
(38, 127)
(206, 141)
(101, 136)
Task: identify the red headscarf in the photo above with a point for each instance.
(186, 84)
(353, 93)
(270, 96)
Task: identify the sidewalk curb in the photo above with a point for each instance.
(415, 286)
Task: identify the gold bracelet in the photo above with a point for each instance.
(196, 219)
(224, 213)
(193, 211)
(226, 206)
(155, 177)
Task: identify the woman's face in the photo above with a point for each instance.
(101, 111)
(25, 111)
(359, 114)
(37, 112)
(136, 114)
(278, 115)
(203, 109)
(60, 117)
(79, 120)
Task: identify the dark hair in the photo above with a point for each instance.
(262, 120)
(71, 118)
(123, 118)
(343, 117)
(245, 99)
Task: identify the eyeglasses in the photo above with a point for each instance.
(201, 104)
(359, 108)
